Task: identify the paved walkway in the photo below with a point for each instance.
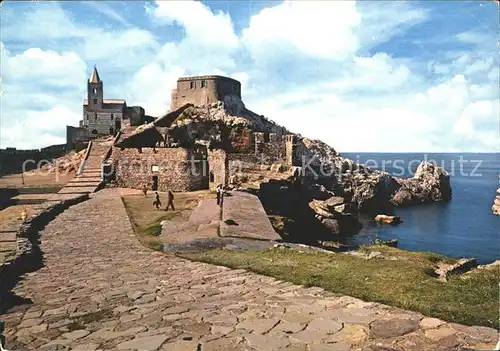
(244, 216)
(100, 289)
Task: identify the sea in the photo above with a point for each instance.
(462, 227)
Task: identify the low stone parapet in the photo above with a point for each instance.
(28, 256)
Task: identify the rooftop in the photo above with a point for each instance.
(207, 77)
(107, 101)
(94, 77)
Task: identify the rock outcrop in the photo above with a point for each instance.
(429, 184)
(336, 187)
(496, 204)
(388, 219)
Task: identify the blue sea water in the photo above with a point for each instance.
(462, 227)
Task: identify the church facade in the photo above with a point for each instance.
(102, 117)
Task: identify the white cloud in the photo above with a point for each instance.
(199, 22)
(152, 87)
(108, 11)
(319, 29)
(47, 67)
(44, 21)
(36, 129)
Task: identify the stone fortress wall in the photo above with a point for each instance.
(177, 169)
(203, 90)
(269, 149)
(11, 159)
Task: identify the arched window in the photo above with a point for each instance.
(94, 91)
(94, 131)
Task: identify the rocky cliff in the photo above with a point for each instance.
(326, 173)
(496, 204)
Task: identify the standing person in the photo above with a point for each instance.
(170, 200)
(221, 196)
(145, 190)
(157, 202)
(218, 193)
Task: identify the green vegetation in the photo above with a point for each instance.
(146, 219)
(406, 282)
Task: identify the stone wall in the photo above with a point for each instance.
(103, 122)
(218, 167)
(177, 169)
(202, 90)
(76, 138)
(135, 115)
(13, 160)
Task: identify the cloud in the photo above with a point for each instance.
(317, 29)
(108, 11)
(48, 67)
(152, 87)
(40, 22)
(35, 129)
(200, 24)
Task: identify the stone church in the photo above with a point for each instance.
(102, 116)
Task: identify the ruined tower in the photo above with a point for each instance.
(202, 90)
(95, 91)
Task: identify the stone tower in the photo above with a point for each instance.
(95, 91)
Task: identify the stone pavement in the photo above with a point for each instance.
(101, 290)
(247, 217)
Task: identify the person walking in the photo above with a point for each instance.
(170, 200)
(157, 202)
(145, 190)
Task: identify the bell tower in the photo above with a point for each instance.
(95, 91)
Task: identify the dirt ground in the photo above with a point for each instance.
(35, 179)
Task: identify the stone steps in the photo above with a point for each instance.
(79, 190)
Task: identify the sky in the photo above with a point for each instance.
(363, 76)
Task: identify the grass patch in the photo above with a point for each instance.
(402, 283)
(146, 220)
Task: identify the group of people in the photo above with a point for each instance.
(157, 201)
(170, 197)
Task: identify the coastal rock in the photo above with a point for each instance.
(336, 222)
(318, 192)
(496, 204)
(461, 266)
(373, 192)
(388, 219)
(429, 184)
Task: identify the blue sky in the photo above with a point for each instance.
(362, 76)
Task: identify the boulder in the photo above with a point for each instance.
(336, 222)
(388, 219)
(334, 201)
(318, 192)
(373, 192)
(430, 183)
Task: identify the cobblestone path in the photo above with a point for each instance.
(100, 290)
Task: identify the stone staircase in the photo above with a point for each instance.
(89, 177)
(496, 204)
